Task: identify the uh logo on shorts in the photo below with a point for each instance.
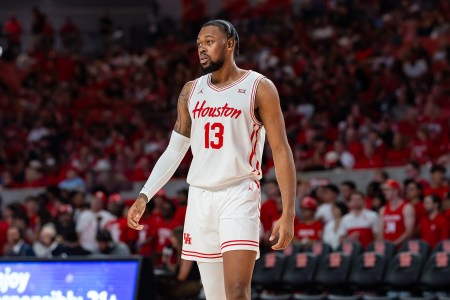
(187, 238)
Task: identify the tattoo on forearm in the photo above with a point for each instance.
(183, 123)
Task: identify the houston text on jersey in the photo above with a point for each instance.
(215, 112)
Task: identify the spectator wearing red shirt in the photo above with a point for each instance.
(446, 208)
(193, 12)
(146, 242)
(13, 29)
(370, 158)
(397, 215)
(271, 208)
(414, 195)
(433, 227)
(419, 146)
(413, 172)
(398, 153)
(70, 35)
(303, 190)
(3, 235)
(268, 7)
(352, 142)
(373, 137)
(407, 126)
(317, 159)
(161, 229)
(182, 199)
(438, 185)
(308, 229)
(237, 8)
(118, 228)
(438, 142)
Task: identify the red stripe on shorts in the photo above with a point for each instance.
(239, 241)
(201, 256)
(201, 253)
(239, 244)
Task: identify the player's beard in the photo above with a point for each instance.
(214, 65)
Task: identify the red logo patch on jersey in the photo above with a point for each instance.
(187, 238)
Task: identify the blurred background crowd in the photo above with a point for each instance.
(363, 85)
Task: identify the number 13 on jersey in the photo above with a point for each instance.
(214, 135)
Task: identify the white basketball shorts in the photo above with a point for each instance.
(220, 221)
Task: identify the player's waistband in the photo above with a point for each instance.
(225, 186)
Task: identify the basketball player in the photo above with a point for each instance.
(223, 116)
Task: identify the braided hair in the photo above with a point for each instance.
(229, 30)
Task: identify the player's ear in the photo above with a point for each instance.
(230, 44)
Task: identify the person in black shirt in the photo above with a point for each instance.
(71, 246)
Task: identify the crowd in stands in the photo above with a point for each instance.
(58, 223)
(363, 84)
(410, 216)
(387, 210)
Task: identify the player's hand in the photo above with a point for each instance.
(136, 211)
(284, 229)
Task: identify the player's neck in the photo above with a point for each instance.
(227, 74)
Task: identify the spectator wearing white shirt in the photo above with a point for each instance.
(47, 242)
(360, 224)
(325, 211)
(333, 228)
(92, 220)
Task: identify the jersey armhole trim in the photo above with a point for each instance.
(194, 84)
(253, 99)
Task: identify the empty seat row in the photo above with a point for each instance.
(385, 248)
(301, 274)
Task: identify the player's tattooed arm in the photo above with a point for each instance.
(183, 123)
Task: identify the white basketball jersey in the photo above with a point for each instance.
(226, 138)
